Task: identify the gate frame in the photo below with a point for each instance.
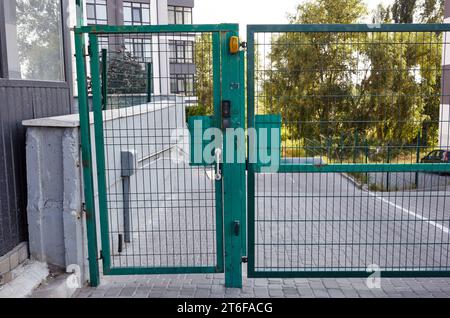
(230, 195)
(311, 168)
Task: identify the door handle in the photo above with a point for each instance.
(218, 153)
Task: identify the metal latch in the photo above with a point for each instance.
(236, 227)
(226, 114)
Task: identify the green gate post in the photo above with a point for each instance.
(149, 82)
(243, 101)
(100, 152)
(104, 79)
(418, 158)
(233, 173)
(83, 105)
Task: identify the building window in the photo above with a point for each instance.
(181, 51)
(136, 13)
(182, 84)
(103, 43)
(96, 12)
(34, 40)
(141, 49)
(180, 15)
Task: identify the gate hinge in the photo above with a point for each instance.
(101, 255)
(244, 259)
(83, 209)
(244, 45)
(89, 51)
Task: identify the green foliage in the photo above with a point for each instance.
(403, 11)
(39, 39)
(126, 75)
(339, 88)
(198, 110)
(203, 82)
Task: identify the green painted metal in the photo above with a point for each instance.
(98, 90)
(100, 152)
(104, 79)
(197, 142)
(149, 82)
(266, 125)
(171, 28)
(380, 167)
(417, 158)
(242, 64)
(291, 168)
(251, 174)
(79, 13)
(94, 272)
(349, 273)
(164, 270)
(275, 28)
(217, 117)
(233, 173)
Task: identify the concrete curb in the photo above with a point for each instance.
(25, 279)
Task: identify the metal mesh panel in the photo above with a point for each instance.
(350, 100)
(161, 211)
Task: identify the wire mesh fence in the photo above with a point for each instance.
(161, 210)
(350, 99)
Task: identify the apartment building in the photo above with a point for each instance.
(171, 58)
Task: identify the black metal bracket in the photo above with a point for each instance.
(236, 227)
(226, 114)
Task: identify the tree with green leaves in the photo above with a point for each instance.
(403, 11)
(203, 80)
(126, 75)
(39, 39)
(310, 84)
(345, 88)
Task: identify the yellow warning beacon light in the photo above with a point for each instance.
(234, 44)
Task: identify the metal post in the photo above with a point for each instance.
(100, 152)
(242, 94)
(149, 82)
(233, 173)
(388, 175)
(104, 79)
(94, 272)
(418, 158)
(355, 146)
(79, 11)
(127, 158)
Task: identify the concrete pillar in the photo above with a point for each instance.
(55, 218)
(56, 222)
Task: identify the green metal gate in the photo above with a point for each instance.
(357, 109)
(348, 115)
(159, 211)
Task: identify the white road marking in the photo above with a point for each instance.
(441, 227)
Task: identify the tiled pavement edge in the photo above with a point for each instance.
(211, 286)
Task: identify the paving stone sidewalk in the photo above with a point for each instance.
(212, 286)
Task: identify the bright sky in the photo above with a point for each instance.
(244, 11)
